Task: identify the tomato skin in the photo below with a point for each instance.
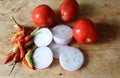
(43, 16)
(68, 10)
(85, 31)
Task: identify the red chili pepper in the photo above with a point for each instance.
(20, 37)
(17, 37)
(26, 39)
(18, 26)
(28, 29)
(17, 56)
(9, 57)
(22, 51)
(24, 62)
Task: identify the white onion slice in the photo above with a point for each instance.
(56, 49)
(43, 37)
(71, 58)
(62, 34)
(42, 57)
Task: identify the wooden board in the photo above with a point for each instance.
(102, 59)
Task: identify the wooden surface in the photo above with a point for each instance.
(102, 59)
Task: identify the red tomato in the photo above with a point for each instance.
(85, 31)
(43, 16)
(68, 10)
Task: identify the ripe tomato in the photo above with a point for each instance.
(43, 16)
(85, 31)
(68, 10)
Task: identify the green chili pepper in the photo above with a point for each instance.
(28, 57)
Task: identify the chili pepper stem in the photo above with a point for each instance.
(12, 68)
(15, 21)
(18, 25)
(34, 32)
(11, 64)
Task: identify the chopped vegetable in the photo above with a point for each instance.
(62, 34)
(71, 58)
(56, 49)
(42, 57)
(43, 37)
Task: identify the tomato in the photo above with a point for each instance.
(43, 16)
(68, 10)
(85, 31)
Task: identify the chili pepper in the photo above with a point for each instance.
(34, 32)
(22, 51)
(24, 62)
(15, 59)
(28, 29)
(17, 56)
(20, 37)
(15, 48)
(30, 42)
(9, 57)
(18, 26)
(11, 54)
(28, 56)
(28, 37)
(14, 38)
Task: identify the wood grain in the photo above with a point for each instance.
(102, 59)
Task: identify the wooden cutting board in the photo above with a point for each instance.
(102, 59)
